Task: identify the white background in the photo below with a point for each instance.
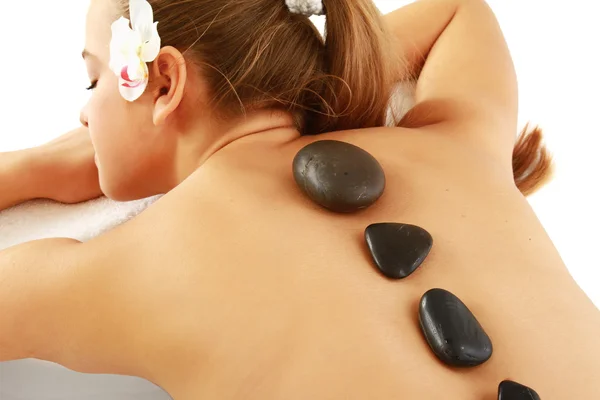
(555, 46)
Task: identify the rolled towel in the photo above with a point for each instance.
(41, 219)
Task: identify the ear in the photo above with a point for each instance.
(170, 74)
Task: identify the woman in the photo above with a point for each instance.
(235, 284)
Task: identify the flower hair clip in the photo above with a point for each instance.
(132, 47)
(306, 7)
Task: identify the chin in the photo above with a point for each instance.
(116, 190)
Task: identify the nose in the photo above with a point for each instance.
(83, 115)
(83, 118)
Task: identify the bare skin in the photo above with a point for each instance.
(250, 291)
(236, 286)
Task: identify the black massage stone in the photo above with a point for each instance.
(509, 390)
(338, 176)
(398, 249)
(452, 331)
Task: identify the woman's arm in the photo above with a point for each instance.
(466, 74)
(32, 278)
(415, 28)
(69, 303)
(17, 179)
(63, 170)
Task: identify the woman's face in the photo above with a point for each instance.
(130, 149)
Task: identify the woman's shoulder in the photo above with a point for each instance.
(440, 146)
(251, 180)
(256, 172)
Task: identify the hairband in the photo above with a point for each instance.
(306, 7)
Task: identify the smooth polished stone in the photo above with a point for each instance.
(509, 390)
(452, 331)
(339, 176)
(398, 249)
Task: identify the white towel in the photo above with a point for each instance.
(41, 219)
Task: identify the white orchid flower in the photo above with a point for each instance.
(131, 49)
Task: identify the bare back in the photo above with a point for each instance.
(236, 286)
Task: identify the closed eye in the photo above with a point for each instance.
(93, 85)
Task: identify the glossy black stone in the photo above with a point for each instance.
(398, 249)
(509, 390)
(339, 176)
(452, 331)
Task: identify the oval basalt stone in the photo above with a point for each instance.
(452, 331)
(339, 176)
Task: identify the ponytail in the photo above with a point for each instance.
(358, 74)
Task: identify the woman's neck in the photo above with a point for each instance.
(271, 126)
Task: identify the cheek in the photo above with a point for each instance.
(107, 121)
(108, 126)
(117, 129)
